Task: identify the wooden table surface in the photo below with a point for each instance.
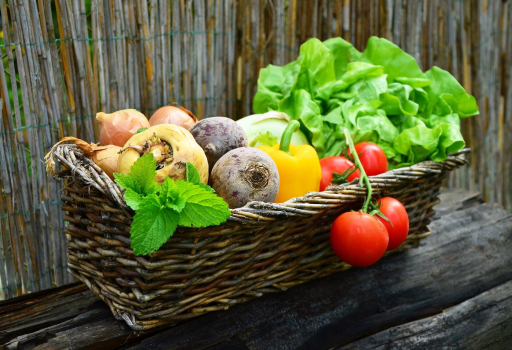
(453, 292)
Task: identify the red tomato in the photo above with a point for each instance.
(336, 164)
(396, 213)
(358, 239)
(372, 157)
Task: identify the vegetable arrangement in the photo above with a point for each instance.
(379, 95)
(160, 208)
(361, 238)
(165, 170)
(177, 171)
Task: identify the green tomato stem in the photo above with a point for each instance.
(286, 138)
(363, 177)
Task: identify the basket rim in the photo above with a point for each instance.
(310, 204)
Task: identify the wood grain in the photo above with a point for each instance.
(390, 300)
(482, 322)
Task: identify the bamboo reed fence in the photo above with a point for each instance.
(65, 60)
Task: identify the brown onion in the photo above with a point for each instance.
(173, 115)
(118, 127)
(105, 157)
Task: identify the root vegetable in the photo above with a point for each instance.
(245, 174)
(173, 115)
(118, 127)
(172, 147)
(105, 157)
(217, 136)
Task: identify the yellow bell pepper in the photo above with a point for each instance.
(298, 166)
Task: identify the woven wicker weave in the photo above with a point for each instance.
(262, 248)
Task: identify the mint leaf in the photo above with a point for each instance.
(177, 205)
(139, 182)
(152, 226)
(193, 177)
(169, 191)
(202, 208)
(206, 187)
(159, 209)
(133, 199)
(193, 174)
(127, 181)
(170, 196)
(144, 171)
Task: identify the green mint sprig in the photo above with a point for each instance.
(159, 209)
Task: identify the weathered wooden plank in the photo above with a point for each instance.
(35, 311)
(329, 312)
(454, 199)
(72, 310)
(483, 322)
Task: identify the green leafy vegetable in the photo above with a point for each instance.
(380, 95)
(141, 178)
(133, 199)
(140, 130)
(152, 226)
(201, 208)
(193, 174)
(159, 209)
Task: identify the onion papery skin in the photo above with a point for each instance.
(118, 127)
(173, 115)
(107, 159)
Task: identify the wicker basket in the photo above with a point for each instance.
(262, 248)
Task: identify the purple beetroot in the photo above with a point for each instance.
(217, 136)
(245, 174)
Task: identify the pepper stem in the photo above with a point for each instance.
(363, 177)
(286, 138)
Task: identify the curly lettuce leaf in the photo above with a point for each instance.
(417, 143)
(269, 93)
(447, 96)
(300, 106)
(317, 72)
(450, 141)
(381, 95)
(396, 62)
(396, 100)
(343, 52)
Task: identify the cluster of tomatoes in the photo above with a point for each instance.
(358, 238)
